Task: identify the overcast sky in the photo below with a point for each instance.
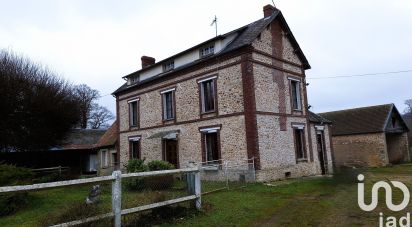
(97, 42)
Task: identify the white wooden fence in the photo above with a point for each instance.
(193, 180)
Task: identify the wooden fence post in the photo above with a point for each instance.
(117, 198)
(198, 188)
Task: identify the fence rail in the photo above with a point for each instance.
(193, 180)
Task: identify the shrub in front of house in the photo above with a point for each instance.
(135, 166)
(11, 175)
(159, 182)
(153, 183)
(159, 165)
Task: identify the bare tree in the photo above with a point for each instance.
(99, 117)
(87, 98)
(407, 117)
(37, 108)
(408, 104)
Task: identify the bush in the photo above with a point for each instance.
(154, 183)
(159, 165)
(12, 175)
(159, 182)
(135, 166)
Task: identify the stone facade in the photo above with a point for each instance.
(370, 149)
(360, 150)
(254, 111)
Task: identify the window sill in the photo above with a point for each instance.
(206, 55)
(298, 110)
(167, 120)
(208, 112)
(211, 167)
(302, 160)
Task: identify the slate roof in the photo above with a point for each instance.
(246, 36)
(81, 139)
(318, 119)
(109, 138)
(362, 120)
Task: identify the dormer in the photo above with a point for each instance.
(207, 50)
(132, 79)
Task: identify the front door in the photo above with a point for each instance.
(321, 152)
(170, 152)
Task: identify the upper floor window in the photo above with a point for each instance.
(168, 66)
(208, 95)
(296, 96)
(168, 104)
(133, 112)
(207, 50)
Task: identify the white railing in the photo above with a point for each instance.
(193, 180)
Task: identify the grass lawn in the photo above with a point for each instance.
(315, 201)
(301, 202)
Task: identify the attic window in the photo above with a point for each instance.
(170, 65)
(207, 50)
(259, 37)
(132, 80)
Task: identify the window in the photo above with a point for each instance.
(211, 147)
(168, 66)
(208, 50)
(168, 105)
(114, 159)
(134, 148)
(133, 108)
(299, 143)
(295, 96)
(104, 158)
(208, 95)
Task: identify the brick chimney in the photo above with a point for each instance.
(268, 10)
(147, 61)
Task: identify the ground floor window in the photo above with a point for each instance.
(211, 147)
(299, 143)
(114, 159)
(135, 149)
(104, 158)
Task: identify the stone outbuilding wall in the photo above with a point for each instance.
(372, 149)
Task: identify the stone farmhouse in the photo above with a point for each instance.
(237, 96)
(369, 136)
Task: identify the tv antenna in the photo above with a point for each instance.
(214, 22)
(273, 2)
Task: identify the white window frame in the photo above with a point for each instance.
(169, 65)
(129, 102)
(202, 96)
(298, 93)
(164, 93)
(104, 158)
(207, 50)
